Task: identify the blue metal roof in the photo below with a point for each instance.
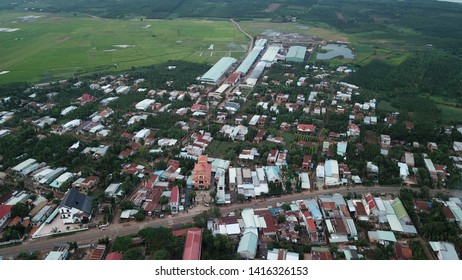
(217, 70)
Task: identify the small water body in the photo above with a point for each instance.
(334, 50)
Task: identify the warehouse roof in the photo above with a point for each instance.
(249, 60)
(217, 70)
(270, 54)
(296, 52)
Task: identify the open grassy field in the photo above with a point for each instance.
(450, 112)
(55, 46)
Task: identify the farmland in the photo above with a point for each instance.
(52, 46)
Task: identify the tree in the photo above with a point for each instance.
(192, 196)
(20, 209)
(121, 244)
(134, 254)
(298, 227)
(285, 207)
(161, 254)
(213, 194)
(139, 216)
(126, 205)
(163, 200)
(161, 165)
(281, 219)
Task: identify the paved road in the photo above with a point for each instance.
(92, 235)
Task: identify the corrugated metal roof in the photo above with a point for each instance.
(215, 73)
(270, 55)
(249, 60)
(248, 245)
(399, 208)
(296, 54)
(395, 225)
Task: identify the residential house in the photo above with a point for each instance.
(319, 253)
(114, 190)
(232, 107)
(306, 128)
(444, 250)
(372, 168)
(141, 135)
(457, 146)
(353, 130)
(259, 136)
(431, 169)
(5, 214)
(86, 184)
(114, 256)
(59, 252)
(272, 157)
(75, 207)
(409, 159)
(306, 165)
(282, 255)
(232, 178)
(332, 174)
(342, 148)
(175, 200)
(432, 146)
(282, 158)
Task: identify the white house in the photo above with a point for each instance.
(113, 190)
(175, 200)
(141, 135)
(75, 207)
(5, 214)
(144, 105)
(305, 179)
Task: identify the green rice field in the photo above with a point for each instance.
(43, 47)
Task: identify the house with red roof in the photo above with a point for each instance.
(193, 245)
(126, 153)
(309, 128)
(5, 214)
(270, 229)
(353, 130)
(175, 200)
(151, 204)
(319, 254)
(87, 98)
(198, 107)
(90, 182)
(272, 157)
(259, 136)
(306, 165)
(233, 78)
(114, 256)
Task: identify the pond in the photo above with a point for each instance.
(334, 50)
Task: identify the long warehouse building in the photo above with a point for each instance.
(218, 70)
(249, 60)
(256, 73)
(270, 55)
